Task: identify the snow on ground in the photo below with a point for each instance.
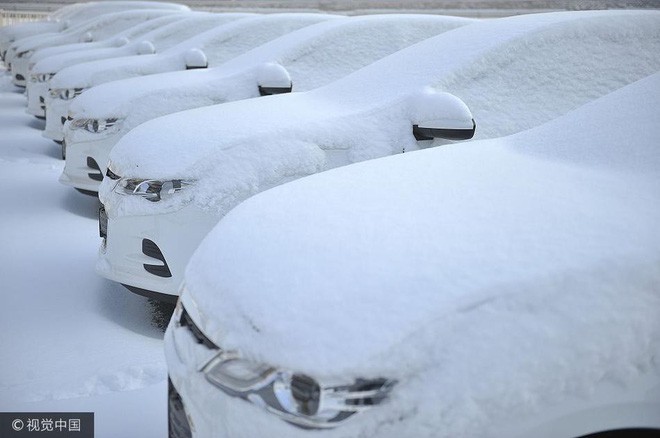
(69, 337)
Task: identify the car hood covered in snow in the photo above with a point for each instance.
(312, 56)
(237, 149)
(219, 45)
(489, 278)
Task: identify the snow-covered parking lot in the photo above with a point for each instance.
(562, 183)
(71, 341)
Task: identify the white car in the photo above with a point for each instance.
(302, 60)
(208, 49)
(54, 22)
(153, 36)
(501, 288)
(71, 15)
(171, 179)
(44, 63)
(105, 26)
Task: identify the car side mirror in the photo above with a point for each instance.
(121, 42)
(272, 78)
(441, 115)
(87, 37)
(145, 48)
(195, 59)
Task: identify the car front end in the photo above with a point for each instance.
(213, 391)
(86, 149)
(37, 92)
(149, 232)
(57, 110)
(19, 67)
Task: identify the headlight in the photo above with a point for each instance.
(295, 398)
(95, 125)
(65, 93)
(42, 77)
(25, 54)
(150, 189)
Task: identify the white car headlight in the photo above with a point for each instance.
(296, 398)
(41, 77)
(96, 126)
(150, 189)
(65, 93)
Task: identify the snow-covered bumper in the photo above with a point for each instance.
(86, 161)
(148, 253)
(36, 94)
(19, 70)
(56, 116)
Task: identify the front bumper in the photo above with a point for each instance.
(86, 162)
(19, 71)
(150, 252)
(56, 116)
(36, 94)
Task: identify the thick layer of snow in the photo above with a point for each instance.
(310, 57)
(491, 279)
(75, 14)
(237, 149)
(219, 44)
(162, 37)
(71, 341)
(118, 40)
(101, 28)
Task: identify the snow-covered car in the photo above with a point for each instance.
(54, 22)
(105, 26)
(171, 179)
(503, 288)
(153, 36)
(208, 49)
(71, 15)
(57, 57)
(302, 60)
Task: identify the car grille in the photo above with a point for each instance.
(103, 223)
(178, 426)
(186, 321)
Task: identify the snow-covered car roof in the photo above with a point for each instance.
(488, 278)
(312, 56)
(219, 45)
(100, 28)
(116, 40)
(531, 68)
(172, 30)
(74, 14)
